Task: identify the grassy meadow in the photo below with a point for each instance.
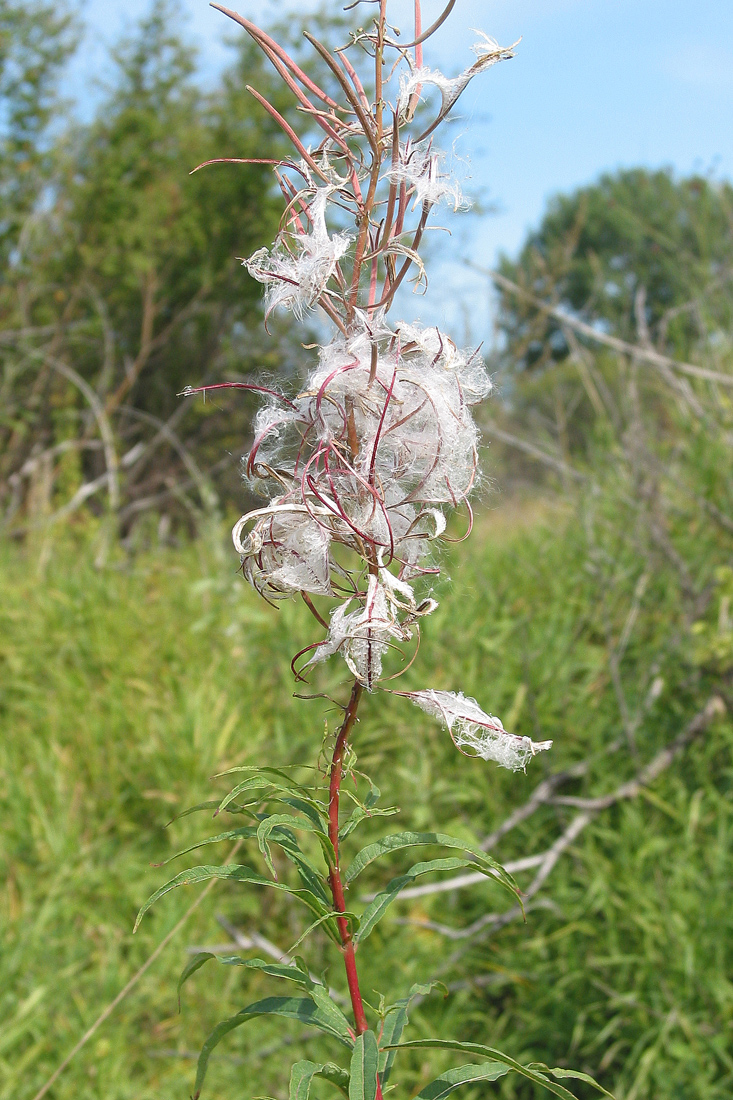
(123, 689)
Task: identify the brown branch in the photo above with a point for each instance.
(535, 452)
(647, 354)
(146, 344)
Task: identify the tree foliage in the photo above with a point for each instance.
(127, 270)
(637, 249)
(35, 40)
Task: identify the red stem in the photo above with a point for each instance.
(337, 889)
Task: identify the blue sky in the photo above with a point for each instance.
(595, 85)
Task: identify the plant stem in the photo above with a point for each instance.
(337, 889)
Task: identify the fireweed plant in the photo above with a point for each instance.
(359, 471)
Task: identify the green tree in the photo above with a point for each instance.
(636, 250)
(36, 39)
(132, 265)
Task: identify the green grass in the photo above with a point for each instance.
(123, 690)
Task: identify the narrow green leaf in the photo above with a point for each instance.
(377, 908)
(364, 1067)
(497, 1055)
(329, 1009)
(327, 919)
(374, 794)
(294, 1008)
(302, 1074)
(275, 970)
(395, 1021)
(269, 826)
(236, 873)
(570, 1073)
(210, 804)
(257, 771)
(246, 832)
(309, 875)
(360, 814)
(301, 1077)
(397, 841)
(452, 1079)
(255, 782)
(336, 1075)
(190, 968)
(311, 809)
(233, 871)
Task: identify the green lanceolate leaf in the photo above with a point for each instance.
(362, 814)
(336, 1075)
(190, 968)
(309, 875)
(275, 970)
(377, 908)
(255, 782)
(296, 972)
(529, 1071)
(302, 1074)
(574, 1074)
(269, 826)
(394, 843)
(246, 832)
(210, 804)
(310, 808)
(364, 1067)
(272, 778)
(397, 841)
(328, 920)
(374, 794)
(234, 873)
(452, 1079)
(329, 1009)
(293, 1008)
(301, 1078)
(395, 1022)
(263, 772)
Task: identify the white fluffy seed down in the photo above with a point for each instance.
(420, 170)
(367, 456)
(364, 636)
(479, 733)
(296, 271)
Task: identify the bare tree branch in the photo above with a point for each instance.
(534, 451)
(648, 354)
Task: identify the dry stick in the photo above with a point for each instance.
(648, 354)
(535, 452)
(589, 808)
(146, 344)
(206, 491)
(100, 415)
(132, 982)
